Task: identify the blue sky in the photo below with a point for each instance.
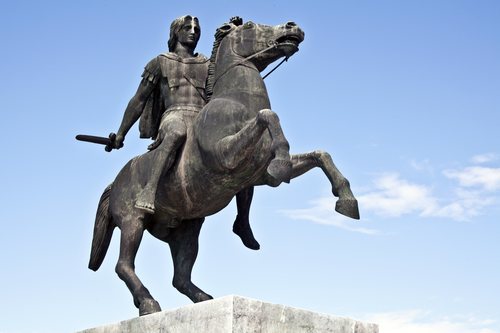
(403, 94)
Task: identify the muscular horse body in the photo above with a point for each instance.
(236, 142)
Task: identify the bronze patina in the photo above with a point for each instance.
(204, 153)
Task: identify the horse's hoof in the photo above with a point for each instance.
(280, 170)
(244, 231)
(202, 297)
(348, 207)
(147, 207)
(148, 306)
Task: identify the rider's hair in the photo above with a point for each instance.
(176, 26)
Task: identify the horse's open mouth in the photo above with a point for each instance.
(289, 40)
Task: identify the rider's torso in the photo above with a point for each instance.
(183, 80)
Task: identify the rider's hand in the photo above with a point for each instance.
(118, 142)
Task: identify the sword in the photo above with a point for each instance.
(108, 142)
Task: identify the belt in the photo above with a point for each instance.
(189, 107)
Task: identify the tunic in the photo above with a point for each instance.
(179, 84)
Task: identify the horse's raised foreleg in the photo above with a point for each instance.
(131, 235)
(183, 242)
(301, 163)
(280, 167)
(233, 149)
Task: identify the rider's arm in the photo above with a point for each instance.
(136, 105)
(134, 110)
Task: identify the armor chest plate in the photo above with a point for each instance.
(191, 72)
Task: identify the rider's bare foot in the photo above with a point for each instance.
(241, 227)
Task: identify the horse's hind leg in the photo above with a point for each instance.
(131, 236)
(241, 226)
(183, 242)
(301, 163)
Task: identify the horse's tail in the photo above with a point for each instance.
(103, 230)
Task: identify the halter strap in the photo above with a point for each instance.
(242, 62)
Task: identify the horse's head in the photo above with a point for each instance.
(250, 45)
(262, 44)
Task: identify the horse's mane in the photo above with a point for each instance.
(220, 33)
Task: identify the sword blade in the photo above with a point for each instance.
(94, 139)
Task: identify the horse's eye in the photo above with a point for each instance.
(248, 25)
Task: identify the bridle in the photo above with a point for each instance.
(243, 61)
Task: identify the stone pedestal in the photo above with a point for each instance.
(235, 314)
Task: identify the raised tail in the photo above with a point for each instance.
(103, 230)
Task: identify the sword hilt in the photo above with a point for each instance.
(109, 147)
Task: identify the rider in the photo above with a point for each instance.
(170, 95)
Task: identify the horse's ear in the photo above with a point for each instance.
(224, 30)
(226, 27)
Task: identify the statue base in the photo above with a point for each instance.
(235, 314)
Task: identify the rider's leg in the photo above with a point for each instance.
(241, 225)
(172, 135)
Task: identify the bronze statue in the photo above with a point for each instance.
(234, 143)
(169, 97)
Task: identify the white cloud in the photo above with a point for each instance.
(483, 177)
(418, 321)
(485, 158)
(321, 211)
(390, 195)
(465, 205)
(393, 197)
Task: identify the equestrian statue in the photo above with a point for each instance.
(215, 139)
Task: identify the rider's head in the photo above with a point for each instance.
(185, 30)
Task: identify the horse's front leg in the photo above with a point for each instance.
(233, 149)
(280, 167)
(301, 163)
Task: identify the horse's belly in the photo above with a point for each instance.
(193, 189)
(197, 200)
(198, 184)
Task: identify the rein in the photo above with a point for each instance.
(276, 67)
(241, 62)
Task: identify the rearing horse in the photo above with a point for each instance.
(235, 142)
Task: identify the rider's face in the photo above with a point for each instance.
(189, 34)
